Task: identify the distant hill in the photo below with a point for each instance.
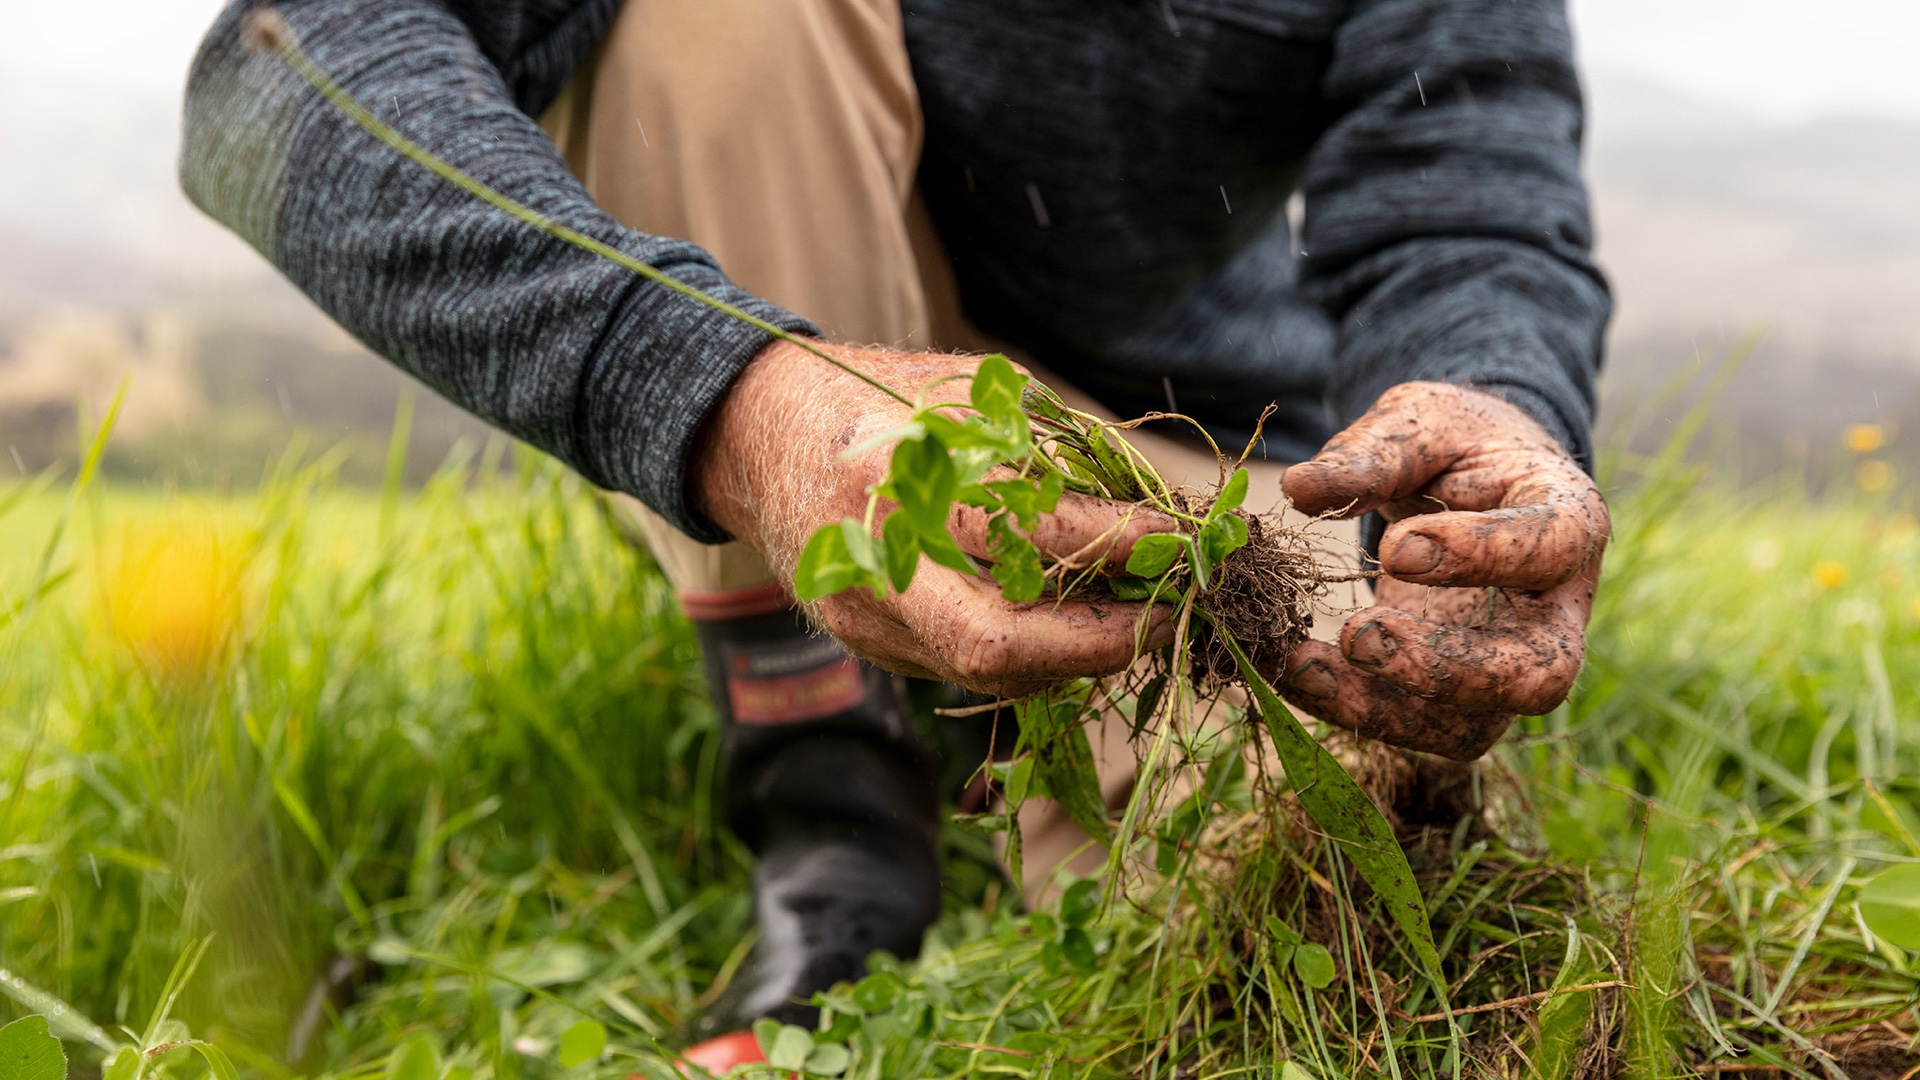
(1627, 110)
(1815, 228)
(1712, 224)
(97, 243)
(87, 177)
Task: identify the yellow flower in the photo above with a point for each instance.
(174, 596)
(1828, 574)
(1913, 607)
(1864, 438)
(1873, 476)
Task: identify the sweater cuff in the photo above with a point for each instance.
(645, 421)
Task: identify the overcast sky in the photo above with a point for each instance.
(1785, 59)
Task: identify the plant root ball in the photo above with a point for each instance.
(1264, 595)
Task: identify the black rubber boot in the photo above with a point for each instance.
(830, 783)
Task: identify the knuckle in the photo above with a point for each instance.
(1458, 732)
(1478, 732)
(839, 620)
(1544, 686)
(832, 615)
(1418, 391)
(1599, 517)
(1542, 703)
(968, 525)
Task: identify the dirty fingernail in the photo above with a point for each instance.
(1417, 555)
(1372, 646)
(1313, 679)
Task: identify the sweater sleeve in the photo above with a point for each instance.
(573, 354)
(1447, 226)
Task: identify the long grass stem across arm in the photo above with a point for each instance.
(268, 30)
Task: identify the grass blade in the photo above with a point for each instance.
(182, 973)
(1896, 820)
(398, 443)
(1063, 761)
(352, 109)
(216, 1060)
(1805, 944)
(1338, 805)
(65, 1020)
(20, 494)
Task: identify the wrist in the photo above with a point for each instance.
(724, 466)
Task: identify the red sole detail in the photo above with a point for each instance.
(723, 1052)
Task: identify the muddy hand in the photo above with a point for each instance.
(772, 467)
(1492, 558)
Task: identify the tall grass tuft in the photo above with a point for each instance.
(274, 722)
(428, 776)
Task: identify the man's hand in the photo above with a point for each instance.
(1492, 557)
(772, 468)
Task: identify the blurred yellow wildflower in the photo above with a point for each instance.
(1913, 607)
(1864, 438)
(1873, 476)
(1828, 574)
(173, 596)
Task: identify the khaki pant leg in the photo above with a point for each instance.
(783, 138)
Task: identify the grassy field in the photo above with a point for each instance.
(417, 786)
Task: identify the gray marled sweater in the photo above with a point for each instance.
(1110, 178)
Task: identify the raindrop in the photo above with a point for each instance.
(1039, 208)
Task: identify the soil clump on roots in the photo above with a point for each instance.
(1264, 595)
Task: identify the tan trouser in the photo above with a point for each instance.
(783, 138)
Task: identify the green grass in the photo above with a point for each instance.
(443, 779)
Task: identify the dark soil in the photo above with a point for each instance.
(1264, 596)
